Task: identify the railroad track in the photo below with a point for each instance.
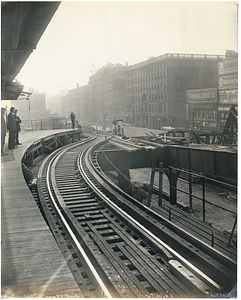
(116, 247)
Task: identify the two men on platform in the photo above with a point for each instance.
(13, 126)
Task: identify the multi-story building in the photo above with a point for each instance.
(227, 85)
(202, 107)
(210, 107)
(107, 94)
(78, 102)
(156, 88)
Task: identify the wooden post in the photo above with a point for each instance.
(160, 182)
(151, 184)
(173, 175)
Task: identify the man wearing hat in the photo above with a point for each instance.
(11, 125)
(3, 130)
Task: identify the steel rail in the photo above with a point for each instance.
(71, 233)
(224, 258)
(184, 261)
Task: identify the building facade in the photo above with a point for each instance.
(210, 107)
(106, 94)
(227, 86)
(202, 107)
(78, 102)
(156, 88)
(178, 90)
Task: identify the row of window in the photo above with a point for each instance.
(146, 69)
(151, 108)
(146, 78)
(204, 114)
(119, 95)
(156, 86)
(137, 98)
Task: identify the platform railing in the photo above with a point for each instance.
(47, 124)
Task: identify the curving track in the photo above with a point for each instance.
(114, 245)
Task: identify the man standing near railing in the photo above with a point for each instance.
(11, 125)
(72, 117)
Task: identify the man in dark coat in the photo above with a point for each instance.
(18, 128)
(3, 130)
(72, 117)
(11, 125)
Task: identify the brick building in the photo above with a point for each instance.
(78, 101)
(107, 94)
(156, 88)
(227, 85)
(210, 107)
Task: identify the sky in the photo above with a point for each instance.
(83, 36)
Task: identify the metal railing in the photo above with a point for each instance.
(47, 124)
(200, 195)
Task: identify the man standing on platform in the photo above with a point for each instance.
(72, 117)
(11, 125)
(18, 128)
(3, 130)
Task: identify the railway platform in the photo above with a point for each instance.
(31, 262)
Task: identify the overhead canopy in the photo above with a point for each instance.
(23, 24)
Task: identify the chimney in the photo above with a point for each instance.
(126, 63)
(77, 84)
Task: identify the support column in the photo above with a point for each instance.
(124, 181)
(173, 176)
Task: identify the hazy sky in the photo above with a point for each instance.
(82, 33)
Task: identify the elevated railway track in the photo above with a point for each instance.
(116, 246)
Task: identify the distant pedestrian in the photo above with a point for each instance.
(18, 128)
(11, 126)
(72, 117)
(3, 130)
